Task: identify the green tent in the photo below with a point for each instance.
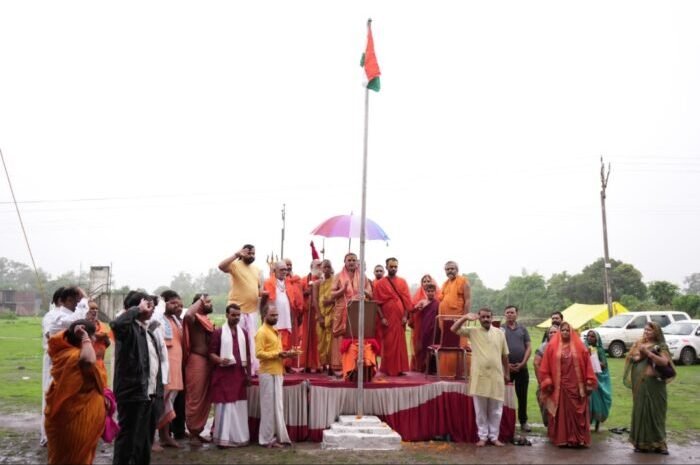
(579, 315)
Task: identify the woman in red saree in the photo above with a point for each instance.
(75, 406)
(567, 379)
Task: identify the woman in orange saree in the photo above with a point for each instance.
(567, 379)
(75, 406)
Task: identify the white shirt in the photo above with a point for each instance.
(153, 361)
(283, 308)
(46, 323)
(63, 319)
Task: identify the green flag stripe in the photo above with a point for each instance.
(374, 84)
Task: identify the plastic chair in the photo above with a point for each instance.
(445, 341)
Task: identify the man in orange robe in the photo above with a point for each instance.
(394, 299)
(308, 338)
(296, 289)
(346, 287)
(281, 292)
(456, 301)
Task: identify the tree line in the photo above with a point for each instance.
(531, 292)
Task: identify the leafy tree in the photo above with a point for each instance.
(159, 290)
(692, 284)
(19, 276)
(481, 296)
(214, 282)
(689, 303)
(588, 287)
(527, 291)
(663, 292)
(183, 284)
(558, 291)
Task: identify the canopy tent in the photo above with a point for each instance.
(579, 315)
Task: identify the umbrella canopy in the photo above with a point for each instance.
(349, 226)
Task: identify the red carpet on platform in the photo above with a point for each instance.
(416, 407)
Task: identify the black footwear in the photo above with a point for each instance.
(658, 450)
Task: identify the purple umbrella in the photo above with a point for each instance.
(349, 226)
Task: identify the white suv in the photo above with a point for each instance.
(621, 331)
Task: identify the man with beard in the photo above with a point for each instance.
(346, 287)
(394, 299)
(489, 373)
(197, 330)
(322, 301)
(281, 294)
(172, 333)
(456, 301)
(246, 284)
(229, 353)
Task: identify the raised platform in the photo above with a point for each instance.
(416, 407)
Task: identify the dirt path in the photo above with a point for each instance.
(19, 436)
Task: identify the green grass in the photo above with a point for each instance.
(21, 357)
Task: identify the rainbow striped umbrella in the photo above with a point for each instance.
(349, 226)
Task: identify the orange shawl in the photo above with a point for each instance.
(75, 410)
(550, 370)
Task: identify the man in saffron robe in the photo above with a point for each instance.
(246, 284)
(229, 352)
(346, 287)
(197, 335)
(280, 292)
(294, 284)
(456, 301)
(394, 299)
(172, 333)
(323, 301)
(75, 406)
(308, 338)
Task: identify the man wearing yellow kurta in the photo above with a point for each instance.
(268, 349)
(488, 375)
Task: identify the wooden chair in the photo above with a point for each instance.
(445, 341)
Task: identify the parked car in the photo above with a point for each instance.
(683, 339)
(621, 331)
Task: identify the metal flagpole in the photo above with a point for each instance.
(361, 324)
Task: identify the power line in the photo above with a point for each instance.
(21, 223)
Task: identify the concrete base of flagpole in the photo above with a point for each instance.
(366, 433)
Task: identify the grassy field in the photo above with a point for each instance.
(21, 360)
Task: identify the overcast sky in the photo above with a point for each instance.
(159, 137)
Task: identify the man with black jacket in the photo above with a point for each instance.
(137, 380)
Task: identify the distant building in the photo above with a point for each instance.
(21, 303)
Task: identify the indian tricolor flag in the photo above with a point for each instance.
(369, 61)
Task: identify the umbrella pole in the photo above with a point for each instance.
(361, 323)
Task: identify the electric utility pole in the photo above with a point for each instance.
(603, 184)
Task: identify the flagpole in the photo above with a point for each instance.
(361, 323)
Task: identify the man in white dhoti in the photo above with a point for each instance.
(46, 322)
(268, 349)
(229, 352)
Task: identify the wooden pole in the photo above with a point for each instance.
(604, 184)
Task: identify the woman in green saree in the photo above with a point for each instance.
(649, 398)
(601, 399)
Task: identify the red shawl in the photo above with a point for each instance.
(550, 370)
